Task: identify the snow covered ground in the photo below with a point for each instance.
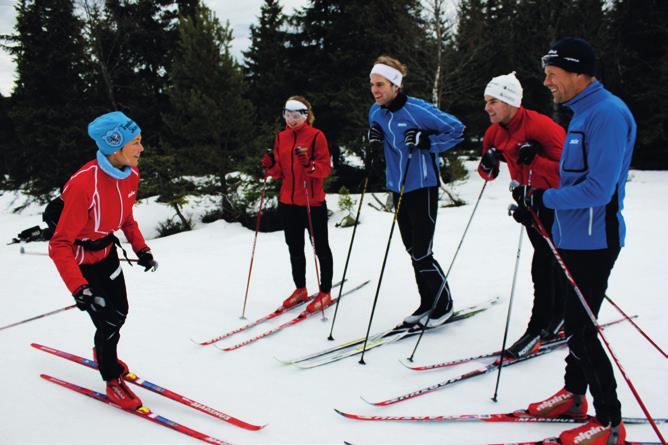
(198, 293)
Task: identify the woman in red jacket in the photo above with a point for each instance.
(97, 201)
(530, 143)
(300, 158)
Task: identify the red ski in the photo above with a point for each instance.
(558, 341)
(143, 412)
(556, 441)
(520, 416)
(298, 319)
(133, 378)
(280, 311)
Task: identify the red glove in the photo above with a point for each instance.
(268, 160)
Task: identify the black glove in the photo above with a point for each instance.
(417, 138)
(528, 151)
(376, 137)
(146, 260)
(490, 161)
(529, 197)
(86, 298)
(522, 216)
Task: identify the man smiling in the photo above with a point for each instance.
(588, 230)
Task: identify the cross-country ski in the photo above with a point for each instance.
(298, 319)
(142, 412)
(134, 378)
(354, 347)
(277, 313)
(520, 416)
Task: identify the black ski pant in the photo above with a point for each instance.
(106, 279)
(295, 222)
(417, 221)
(547, 313)
(587, 363)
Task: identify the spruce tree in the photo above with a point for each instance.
(49, 107)
(331, 53)
(267, 66)
(132, 44)
(209, 125)
(636, 65)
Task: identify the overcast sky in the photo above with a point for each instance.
(240, 13)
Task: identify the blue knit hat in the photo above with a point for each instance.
(112, 131)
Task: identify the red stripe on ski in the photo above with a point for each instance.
(143, 412)
(133, 378)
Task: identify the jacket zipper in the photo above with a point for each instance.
(292, 165)
(556, 219)
(591, 219)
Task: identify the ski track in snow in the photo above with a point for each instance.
(198, 293)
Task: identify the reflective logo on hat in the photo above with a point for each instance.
(113, 138)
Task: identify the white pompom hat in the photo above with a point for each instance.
(506, 88)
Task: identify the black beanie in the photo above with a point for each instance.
(572, 54)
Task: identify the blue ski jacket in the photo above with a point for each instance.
(404, 113)
(593, 169)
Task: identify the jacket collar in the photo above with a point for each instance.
(586, 97)
(397, 102)
(516, 121)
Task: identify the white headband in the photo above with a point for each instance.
(391, 74)
(295, 105)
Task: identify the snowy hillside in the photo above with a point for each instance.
(198, 293)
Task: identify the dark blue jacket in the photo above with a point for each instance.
(402, 114)
(593, 169)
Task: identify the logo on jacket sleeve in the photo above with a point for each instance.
(131, 194)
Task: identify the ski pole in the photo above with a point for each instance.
(22, 251)
(387, 250)
(512, 208)
(350, 248)
(257, 229)
(452, 262)
(658, 348)
(541, 230)
(66, 308)
(310, 232)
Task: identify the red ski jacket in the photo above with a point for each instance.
(293, 173)
(96, 205)
(528, 125)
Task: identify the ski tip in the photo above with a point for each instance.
(283, 361)
(201, 343)
(369, 402)
(408, 365)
